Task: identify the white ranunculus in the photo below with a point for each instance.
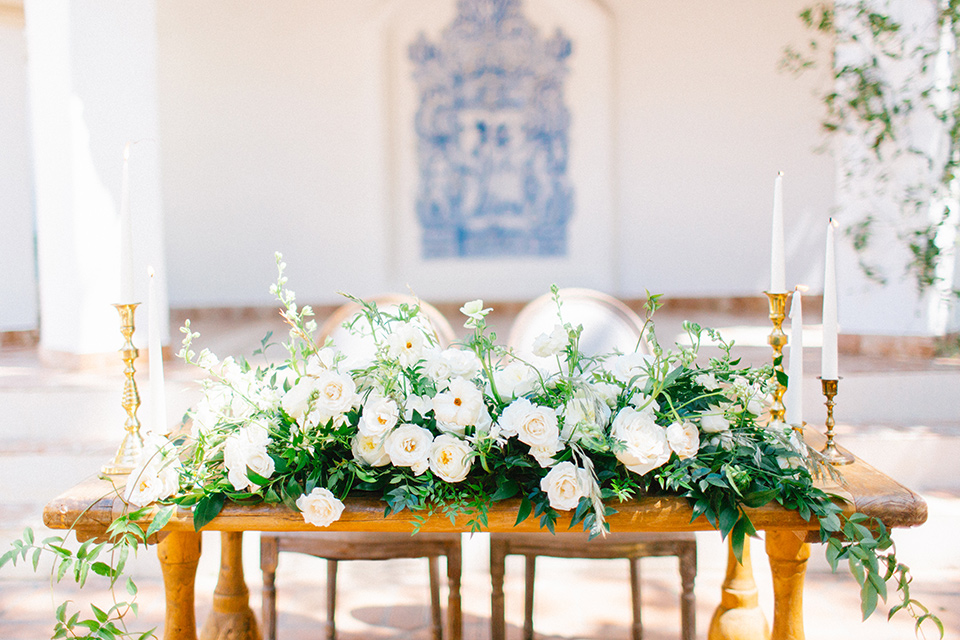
(320, 507)
(336, 394)
(406, 344)
(515, 380)
(645, 445)
(450, 458)
(379, 416)
(296, 401)
(369, 450)
(684, 439)
(247, 448)
(436, 366)
(459, 406)
(463, 364)
(533, 425)
(409, 446)
(564, 485)
(628, 366)
(550, 344)
(714, 421)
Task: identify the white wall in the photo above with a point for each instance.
(18, 280)
(275, 126)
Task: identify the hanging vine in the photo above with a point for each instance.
(893, 108)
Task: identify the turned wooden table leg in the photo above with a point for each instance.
(231, 617)
(179, 553)
(739, 616)
(788, 555)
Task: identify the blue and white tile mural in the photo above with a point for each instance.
(492, 136)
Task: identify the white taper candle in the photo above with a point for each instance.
(829, 369)
(794, 397)
(126, 234)
(778, 279)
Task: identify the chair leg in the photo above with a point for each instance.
(637, 630)
(269, 551)
(331, 599)
(497, 567)
(688, 603)
(531, 563)
(454, 615)
(435, 616)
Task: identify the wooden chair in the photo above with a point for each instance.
(335, 547)
(607, 323)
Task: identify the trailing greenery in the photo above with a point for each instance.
(893, 81)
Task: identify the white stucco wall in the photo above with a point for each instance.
(275, 128)
(18, 280)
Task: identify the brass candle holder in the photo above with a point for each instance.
(778, 340)
(131, 448)
(830, 452)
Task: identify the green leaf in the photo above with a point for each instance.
(523, 512)
(868, 599)
(506, 488)
(102, 569)
(208, 507)
(131, 586)
(161, 519)
(100, 613)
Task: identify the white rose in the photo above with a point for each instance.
(550, 344)
(450, 458)
(247, 448)
(564, 486)
(628, 366)
(714, 421)
(464, 364)
(644, 442)
(608, 392)
(336, 394)
(157, 476)
(379, 416)
(515, 380)
(369, 450)
(533, 425)
(684, 439)
(459, 406)
(406, 344)
(708, 381)
(320, 507)
(296, 401)
(543, 453)
(436, 366)
(409, 446)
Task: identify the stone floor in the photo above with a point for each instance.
(57, 426)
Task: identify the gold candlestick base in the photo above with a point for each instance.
(777, 339)
(830, 452)
(131, 447)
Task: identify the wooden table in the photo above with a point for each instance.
(86, 509)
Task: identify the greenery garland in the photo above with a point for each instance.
(451, 431)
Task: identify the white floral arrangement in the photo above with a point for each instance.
(454, 429)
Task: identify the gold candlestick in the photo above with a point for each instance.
(830, 452)
(777, 339)
(128, 455)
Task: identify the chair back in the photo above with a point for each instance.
(608, 323)
(359, 347)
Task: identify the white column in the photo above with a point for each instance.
(867, 185)
(18, 283)
(92, 76)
